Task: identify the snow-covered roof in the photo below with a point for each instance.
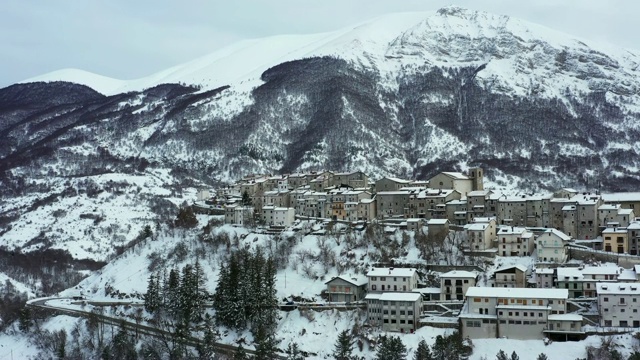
(456, 175)
(543, 271)
(400, 296)
(565, 317)
(609, 207)
(427, 290)
(617, 288)
(558, 233)
(569, 274)
(517, 266)
(621, 196)
(357, 280)
(616, 230)
(568, 208)
(627, 275)
(397, 180)
(478, 193)
(400, 272)
(476, 227)
(507, 230)
(625, 211)
(458, 274)
(397, 192)
(517, 293)
(373, 296)
(438, 221)
(484, 219)
(601, 270)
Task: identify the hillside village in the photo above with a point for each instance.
(579, 275)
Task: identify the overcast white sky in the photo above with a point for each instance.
(128, 39)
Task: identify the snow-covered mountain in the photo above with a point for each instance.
(404, 95)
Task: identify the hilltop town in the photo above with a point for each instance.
(576, 263)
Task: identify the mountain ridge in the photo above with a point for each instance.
(454, 90)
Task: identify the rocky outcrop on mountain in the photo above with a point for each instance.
(458, 88)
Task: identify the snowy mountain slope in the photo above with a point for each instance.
(403, 95)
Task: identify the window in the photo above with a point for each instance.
(605, 299)
(373, 287)
(477, 299)
(410, 312)
(386, 321)
(393, 321)
(401, 312)
(373, 278)
(510, 313)
(383, 287)
(382, 278)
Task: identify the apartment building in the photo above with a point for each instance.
(454, 284)
(580, 217)
(276, 198)
(616, 240)
(238, 214)
(627, 200)
(278, 216)
(392, 311)
(354, 179)
(545, 278)
(515, 313)
(392, 279)
(391, 184)
(481, 235)
(477, 202)
(392, 203)
(514, 241)
(618, 304)
(346, 288)
(581, 282)
(457, 212)
(551, 246)
(514, 276)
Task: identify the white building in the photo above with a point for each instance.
(618, 304)
(510, 312)
(392, 279)
(551, 246)
(394, 311)
(278, 216)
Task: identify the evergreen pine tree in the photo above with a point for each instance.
(152, 297)
(343, 348)
(543, 356)
(423, 352)
(172, 292)
(293, 352)
(266, 344)
(25, 319)
(240, 354)
(123, 346)
(187, 294)
(501, 355)
(267, 316)
(206, 350)
(439, 348)
(391, 348)
(201, 289)
(514, 356)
